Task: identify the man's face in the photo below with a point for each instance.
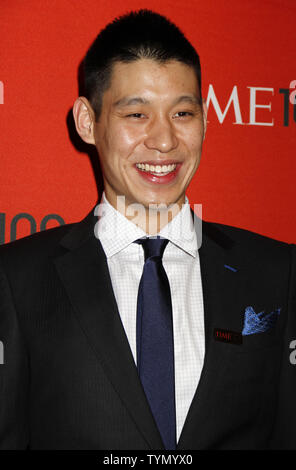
(151, 117)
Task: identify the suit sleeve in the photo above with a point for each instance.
(14, 374)
(284, 432)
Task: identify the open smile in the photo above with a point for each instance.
(156, 173)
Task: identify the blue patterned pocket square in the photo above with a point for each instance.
(258, 322)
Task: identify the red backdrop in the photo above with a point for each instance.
(247, 49)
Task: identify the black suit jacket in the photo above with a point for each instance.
(69, 380)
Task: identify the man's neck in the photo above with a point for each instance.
(151, 220)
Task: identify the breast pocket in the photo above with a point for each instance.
(257, 341)
(248, 382)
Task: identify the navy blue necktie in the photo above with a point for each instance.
(155, 342)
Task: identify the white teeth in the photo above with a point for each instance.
(163, 169)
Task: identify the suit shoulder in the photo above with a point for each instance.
(249, 243)
(243, 234)
(33, 247)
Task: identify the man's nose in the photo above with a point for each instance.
(161, 136)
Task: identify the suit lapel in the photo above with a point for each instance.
(85, 275)
(222, 306)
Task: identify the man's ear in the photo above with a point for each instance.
(84, 119)
(205, 113)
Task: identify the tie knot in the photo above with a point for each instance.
(153, 247)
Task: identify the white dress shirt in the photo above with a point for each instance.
(181, 262)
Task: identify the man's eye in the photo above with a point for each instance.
(184, 114)
(135, 115)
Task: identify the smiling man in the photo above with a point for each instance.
(150, 131)
(141, 327)
(151, 126)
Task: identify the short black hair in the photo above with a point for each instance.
(133, 36)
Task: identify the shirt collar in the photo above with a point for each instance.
(116, 232)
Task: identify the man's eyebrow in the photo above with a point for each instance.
(129, 101)
(132, 100)
(188, 99)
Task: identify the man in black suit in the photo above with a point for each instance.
(71, 297)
